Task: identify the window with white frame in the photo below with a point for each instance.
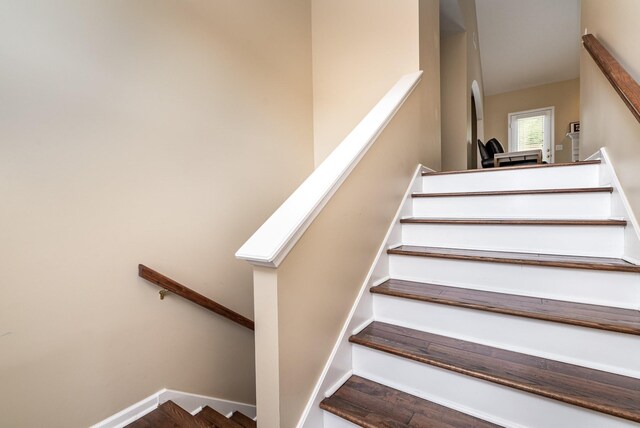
(532, 130)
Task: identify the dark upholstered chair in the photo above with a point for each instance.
(493, 146)
(486, 154)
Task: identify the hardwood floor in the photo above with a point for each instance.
(593, 389)
(243, 420)
(370, 404)
(580, 314)
(572, 262)
(215, 419)
(170, 415)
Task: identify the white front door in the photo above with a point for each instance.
(532, 129)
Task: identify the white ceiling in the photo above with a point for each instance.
(526, 43)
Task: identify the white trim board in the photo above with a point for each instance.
(339, 365)
(620, 207)
(192, 403)
(271, 243)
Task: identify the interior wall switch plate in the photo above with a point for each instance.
(559, 147)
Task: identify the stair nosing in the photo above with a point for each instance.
(522, 386)
(427, 407)
(550, 317)
(555, 191)
(514, 221)
(630, 268)
(511, 168)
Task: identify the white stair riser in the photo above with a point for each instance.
(619, 289)
(602, 350)
(495, 403)
(597, 241)
(332, 421)
(524, 179)
(542, 206)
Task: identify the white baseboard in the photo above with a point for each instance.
(362, 326)
(192, 403)
(336, 386)
(131, 413)
(622, 208)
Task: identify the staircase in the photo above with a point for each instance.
(507, 304)
(170, 415)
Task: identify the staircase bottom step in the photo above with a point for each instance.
(370, 404)
(214, 419)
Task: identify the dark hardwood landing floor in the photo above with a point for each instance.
(593, 389)
(514, 192)
(370, 404)
(580, 314)
(514, 221)
(170, 415)
(215, 419)
(573, 262)
(243, 420)
(508, 168)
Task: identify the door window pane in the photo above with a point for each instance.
(530, 133)
(532, 130)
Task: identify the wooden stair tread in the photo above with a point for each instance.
(508, 168)
(168, 415)
(515, 221)
(243, 420)
(215, 419)
(592, 389)
(573, 262)
(514, 192)
(580, 314)
(370, 404)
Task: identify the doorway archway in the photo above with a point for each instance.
(477, 125)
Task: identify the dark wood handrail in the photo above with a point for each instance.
(624, 84)
(197, 298)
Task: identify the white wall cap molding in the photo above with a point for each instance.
(270, 244)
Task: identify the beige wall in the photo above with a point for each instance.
(331, 261)
(318, 281)
(453, 72)
(564, 96)
(429, 10)
(360, 49)
(474, 70)
(154, 132)
(460, 66)
(605, 119)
